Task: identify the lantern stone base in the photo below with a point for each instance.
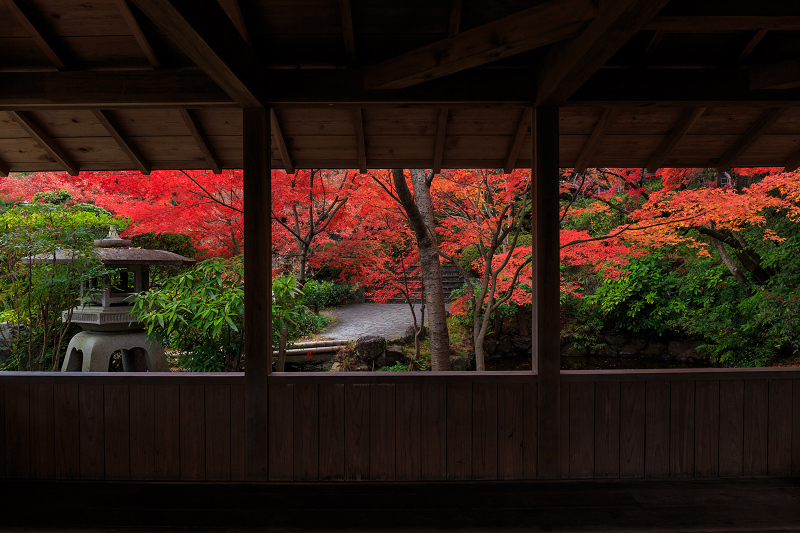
(90, 351)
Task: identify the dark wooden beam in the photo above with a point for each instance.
(753, 133)
(4, 168)
(348, 33)
(106, 118)
(793, 162)
(43, 139)
(545, 286)
(750, 46)
(196, 129)
(257, 288)
(655, 41)
(108, 90)
(535, 27)
(202, 29)
(568, 65)
(136, 28)
(681, 128)
(783, 75)
(234, 11)
(599, 131)
(721, 23)
(454, 23)
(280, 140)
(516, 143)
(438, 147)
(43, 38)
(361, 144)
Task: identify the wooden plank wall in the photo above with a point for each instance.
(646, 425)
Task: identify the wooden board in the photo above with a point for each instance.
(433, 432)
(731, 427)
(192, 433)
(484, 431)
(331, 432)
(117, 437)
(796, 426)
(681, 429)
(237, 433)
(408, 433)
(459, 431)
(531, 430)
(382, 431)
(632, 429)
(564, 430)
(779, 453)
(706, 430)
(356, 432)
(756, 427)
(3, 460)
(656, 458)
(167, 449)
(306, 432)
(17, 423)
(66, 430)
(143, 438)
(42, 435)
(607, 430)
(581, 430)
(510, 431)
(92, 440)
(281, 429)
(218, 432)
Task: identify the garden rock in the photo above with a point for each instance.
(633, 347)
(370, 347)
(461, 363)
(394, 355)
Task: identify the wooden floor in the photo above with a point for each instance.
(750, 504)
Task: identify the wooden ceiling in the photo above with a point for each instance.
(162, 84)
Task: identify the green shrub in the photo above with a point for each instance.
(469, 255)
(321, 294)
(57, 197)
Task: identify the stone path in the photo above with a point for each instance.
(353, 321)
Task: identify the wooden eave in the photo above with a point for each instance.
(149, 62)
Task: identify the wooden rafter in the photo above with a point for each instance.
(793, 162)
(39, 33)
(4, 168)
(783, 75)
(234, 11)
(136, 28)
(655, 41)
(202, 29)
(348, 32)
(43, 139)
(713, 24)
(106, 118)
(196, 129)
(438, 148)
(750, 46)
(361, 144)
(532, 28)
(759, 127)
(455, 18)
(523, 126)
(280, 140)
(599, 131)
(568, 65)
(678, 132)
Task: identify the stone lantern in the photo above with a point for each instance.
(105, 308)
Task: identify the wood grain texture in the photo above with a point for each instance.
(484, 431)
(91, 400)
(356, 432)
(331, 432)
(656, 458)
(237, 433)
(796, 426)
(706, 430)
(756, 428)
(167, 456)
(66, 430)
(281, 431)
(779, 453)
(3, 460)
(306, 432)
(382, 432)
(632, 429)
(117, 436)
(731, 427)
(510, 431)
(433, 432)
(607, 430)
(218, 432)
(459, 431)
(408, 433)
(42, 435)
(17, 433)
(563, 444)
(531, 430)
(143, 438)
(192, 432)
(681, 429)
(581, 430)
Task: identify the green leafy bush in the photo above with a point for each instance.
(321, 294)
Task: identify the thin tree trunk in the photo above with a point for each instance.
(728, 261)
(283, 338)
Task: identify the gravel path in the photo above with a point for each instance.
(387, 320)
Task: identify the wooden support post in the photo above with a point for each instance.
(546, 322)
(257, 287)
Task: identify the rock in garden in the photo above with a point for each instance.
(370, 347)
(394, 355)
(460, 363)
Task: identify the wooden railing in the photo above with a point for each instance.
(400, 426)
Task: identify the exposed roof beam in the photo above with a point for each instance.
(750, 46)
(44, 140)
(361, 144)
(523, 127)
(712, 24)
(202, 29)
(783, 75)
(130, 19)
(348, 33)
(4, 169)
(568, 65)
(196, 129)
(793, 162)
(234, 11)
(106, 118)
(655, 40)
(678, 132)
(438, 146)
(280, 140)
(43, 38)
(106, 90)
(455, 18)
(599, 131)
(767, 119)
(538, 26)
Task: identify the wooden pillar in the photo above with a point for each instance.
(546, 260)
(257, 287)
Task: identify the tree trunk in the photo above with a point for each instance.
(730, 263)
(283, 339)
(420, 216)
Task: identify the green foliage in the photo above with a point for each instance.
(468, 255)
(57, 197)
(321, 294)
(177, 243)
